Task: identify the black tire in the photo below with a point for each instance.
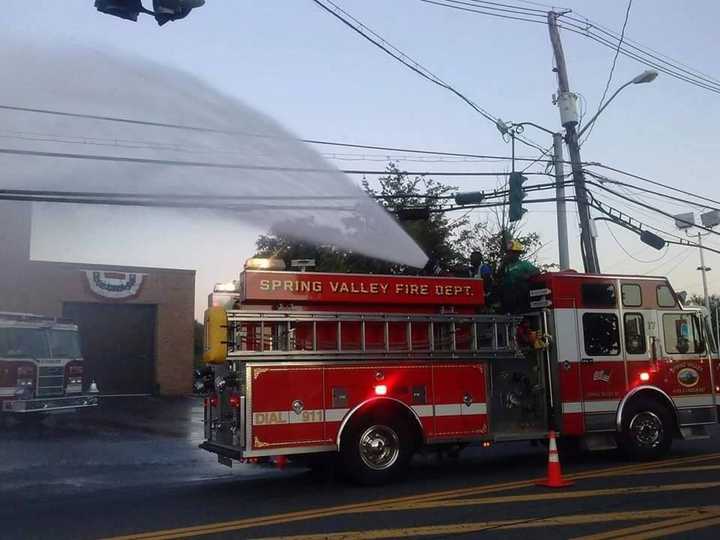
(376, 448)
(647, 430)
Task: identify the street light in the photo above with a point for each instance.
(645, 77)
(687, 221)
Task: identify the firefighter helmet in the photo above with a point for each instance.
(515, 245)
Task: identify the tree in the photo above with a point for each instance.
(447, 240)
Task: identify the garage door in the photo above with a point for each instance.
(118, 343)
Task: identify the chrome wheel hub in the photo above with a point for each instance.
(379, 447)
(646, 429)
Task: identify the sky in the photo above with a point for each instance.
(297, 64)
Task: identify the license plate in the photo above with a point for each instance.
(222, 460)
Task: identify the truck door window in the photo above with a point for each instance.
(682, 334)
(635, 342)
(665, 296)
(598, 295)
(601, 334)
(631, 294)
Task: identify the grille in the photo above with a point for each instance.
(51, 381)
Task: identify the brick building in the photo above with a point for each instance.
(136, 324)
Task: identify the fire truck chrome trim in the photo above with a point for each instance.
(372, 400)
(634, 391)
(697, 400)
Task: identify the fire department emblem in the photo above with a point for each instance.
(688, 377)
(116, 285)
(602, 375)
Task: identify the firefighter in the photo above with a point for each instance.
(512, 279)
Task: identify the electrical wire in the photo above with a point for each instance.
(612, 69)
(242, 166)
(585, 27)
(373, 37)
(656, 183)
(612, 234)
(681, 261)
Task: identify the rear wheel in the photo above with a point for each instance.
(376, 449)
(647, 430)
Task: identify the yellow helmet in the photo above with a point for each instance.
(514, 245)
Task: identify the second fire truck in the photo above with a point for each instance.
(370, 368)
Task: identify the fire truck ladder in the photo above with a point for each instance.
(293, 335)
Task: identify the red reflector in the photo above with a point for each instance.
(234, 400)
(213, 400)
(380, 390)
(644, 376)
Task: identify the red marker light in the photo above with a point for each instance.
(234, 400)
(380, 390)
(644, 376)
(213, 400)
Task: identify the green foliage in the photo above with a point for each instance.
(448, 240)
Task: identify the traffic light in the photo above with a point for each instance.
(652, 239)
(125, 9)
(516, 196)
(172, 10)
(163, 10)
(413, 214)
(469, 197)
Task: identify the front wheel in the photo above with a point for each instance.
(376, 450)
(647, 430)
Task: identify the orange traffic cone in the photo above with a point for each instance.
(554, 475)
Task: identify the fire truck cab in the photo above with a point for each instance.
(41, 366)
(373, 367)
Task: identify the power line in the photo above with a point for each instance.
(643, 205)
(612, 67)
(654, 182)
(242, 166)
(584, 27)
(409, 62)
(630, 254)
(685, 202)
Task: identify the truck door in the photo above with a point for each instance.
(687, 378)
(602, 362)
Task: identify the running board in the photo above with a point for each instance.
(596, 442)
(528, 436)
(693, 433)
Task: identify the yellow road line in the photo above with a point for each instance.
(667, 470)
(273, 519)
(679, 523)
(525, 523)
(559, 495)
(664, 532)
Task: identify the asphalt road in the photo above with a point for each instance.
(133, 471)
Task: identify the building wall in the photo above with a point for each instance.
(43, 287)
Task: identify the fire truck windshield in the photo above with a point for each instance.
(23, 343)
(64, 344)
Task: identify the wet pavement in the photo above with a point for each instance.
(129, 441)
(132, 469)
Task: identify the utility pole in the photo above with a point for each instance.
(567, 103)
(703, 269)
(564, 257)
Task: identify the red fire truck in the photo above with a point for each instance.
(373, 367)
(41, 366)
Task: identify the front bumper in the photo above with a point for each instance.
(46, 405)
